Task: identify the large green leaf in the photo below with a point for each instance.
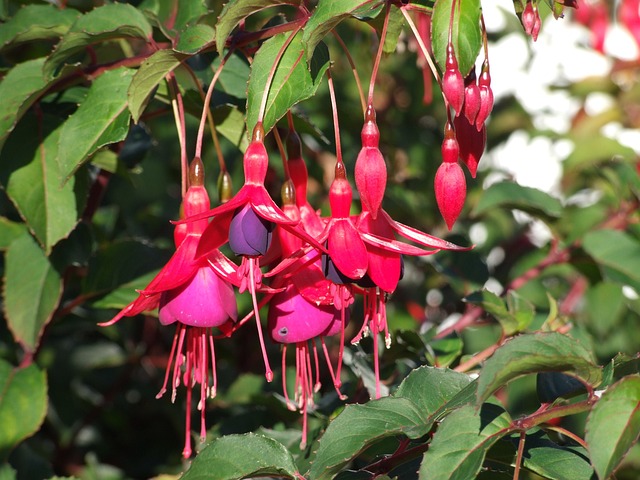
(152, 71)
(194, 38)
(294, 80)
(466, 34)
(540, 352)
(108, 22)
(512, 195)
(32, 289)
(329, 13)
(241, 456)
(9, 231)
(102, 119)
(462, 441)
(31, 178)
(617, 253)
(236, 10)
(614, 425)
(23, 404)
(433, 390)
(19, 89)
(359, 426)
(36, 22)
(554, 462)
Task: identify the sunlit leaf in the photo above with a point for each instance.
(36, 22)
(617, 253)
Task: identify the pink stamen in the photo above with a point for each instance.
(168, 369)
(333, 377)
(252, 267)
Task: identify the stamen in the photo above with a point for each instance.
(253, 266)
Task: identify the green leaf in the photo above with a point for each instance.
(108, 22)
(394, 28)
(236, 10)
(36, 22)
(195, 38)
(512, 195)
(152, 71)
(7, 472)
(31, 178)
(514, 316)
(462, 441)
(466, 35)
(23, 404)
(605, 307)
(9, 231)
(540, 352)
(359, 426)
(103, 118)
(241, 456)
(32, 289)
(617, 253)
(19, 89)
(329, 13)
(294, 79)
(614, 425)
(433, 391)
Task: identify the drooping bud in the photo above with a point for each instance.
(450, 190)
(370, 169)
(471, 97)
(471, 143)
(486, 96)
(196, 199)
(225, 187)
(450, 149)
(249, 234)
(528, 18)
(537, 23)
(452, 81)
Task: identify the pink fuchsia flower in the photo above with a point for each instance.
(190, 292)
(247, 222)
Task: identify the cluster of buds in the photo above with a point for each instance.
(530, 19)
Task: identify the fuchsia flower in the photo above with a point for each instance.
(247, 222)
(191, 292)
(452, 81)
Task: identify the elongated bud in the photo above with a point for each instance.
(450, 148)
(225, 187)
(196, 173)
(486, 96)
(371, 170)
(471, 97)
(471, 143)
(297, 168)
(196, 199)
(288, 193)
(528, 18)
(452, 81)
(537, 23)
(451, 191)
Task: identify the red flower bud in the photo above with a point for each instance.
(450, 149)
(451, 190)
(371, 171)
(471, 142)
(528, 18)
(471, 97)
(486, 96)
(452, 82)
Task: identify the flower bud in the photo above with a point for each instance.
(471, 97)
(450, 149)
(452, 82)
(471, 142)
(486, 96)
(451, 190)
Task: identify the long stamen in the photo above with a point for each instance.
(341, 292)
(214, 373)
(376, 360)
(318, 385)
(333, 376)
(178, 362)
(252, 289)
(171, 360)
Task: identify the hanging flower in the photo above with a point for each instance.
(191, 292)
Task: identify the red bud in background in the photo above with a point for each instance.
(471, 143)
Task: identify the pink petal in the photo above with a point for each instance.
(180, 268)
(421, 238)
(393, 246)
(215, 235)
(384, 269)
(264, 206)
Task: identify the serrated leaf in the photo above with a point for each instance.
(144, 82)
(9, 231)
(241, 456)
(512, 195)
(359, 426)
(329, 13)
(294, 80)
(532, 353)
(514, 315)
(108, 22)
(31, 178)
(433, 390)
(466, 35)
(102, 119)
(23, 403)
(613, 425)
(461, 442)
(36, 22)
(194, 38)
(617, 253)
(19, 89)
(236, 10)
(32, 289)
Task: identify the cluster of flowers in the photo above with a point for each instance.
(597, 16)
(307, 268)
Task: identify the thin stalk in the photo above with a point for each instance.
(336, 123)
(281, 149)
(421, 44)
(376, 64)
(353, 69)
(516, 473)
(178, 115)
